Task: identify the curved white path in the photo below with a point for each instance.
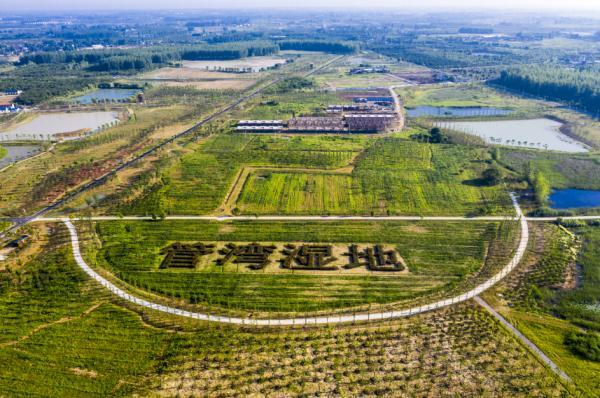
(332, 319)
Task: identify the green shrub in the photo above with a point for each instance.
(584, 344)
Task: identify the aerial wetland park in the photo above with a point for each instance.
(277, 203)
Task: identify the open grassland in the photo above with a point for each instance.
(463, 95)
(341, 79)
(64, 336)
(282, 106)
(561, 170)
(439, 257)
(393, 176)
(548, 333)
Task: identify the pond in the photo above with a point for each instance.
(18, 152)
(45, 127)
(105, 94)
(530, 133)
(455, 111)
(574, 198)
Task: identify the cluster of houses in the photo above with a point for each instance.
(6, 104)
(373, 115)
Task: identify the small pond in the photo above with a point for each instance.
(574, 198)
(528, 133)
(455, 111)
(45, 127)
(18, 152)
(105, 94)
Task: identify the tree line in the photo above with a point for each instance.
(579, 88)
(139, 59)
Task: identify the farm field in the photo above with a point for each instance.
(393, 176)
(439, 258)
(388, 176)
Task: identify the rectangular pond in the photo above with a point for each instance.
(455, 111)
(574, 198)
(46, 127)
(105, 94)
(530, 133)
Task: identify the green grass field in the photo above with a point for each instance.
(561, 170)
(464, 95)
(393, 176)
(440, 257)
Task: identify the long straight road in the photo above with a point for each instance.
(312, 218)
(320, 320)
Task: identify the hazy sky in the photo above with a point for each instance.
(541, 5)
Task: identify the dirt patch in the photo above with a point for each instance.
(190, 74)
(226, 228)
(84, 372)
(417, 229)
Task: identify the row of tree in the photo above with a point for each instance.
(334, 47)
(138, 59)
(573, 87)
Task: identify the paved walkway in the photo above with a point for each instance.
(524, 339)
(321, 320)
(313, 218)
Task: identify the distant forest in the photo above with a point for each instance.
(139, 59)
(580, 89)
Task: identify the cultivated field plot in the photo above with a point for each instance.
(392, 176)
(199, 183)
(338, 76)
(438, 257)
(200, 79)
